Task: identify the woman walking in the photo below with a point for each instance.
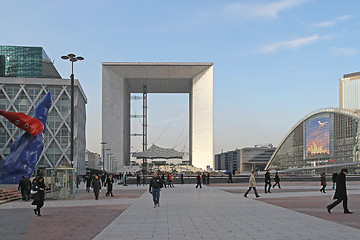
(323, 182)
(39, 197)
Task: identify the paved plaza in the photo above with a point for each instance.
(217, 212)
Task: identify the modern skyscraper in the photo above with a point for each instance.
(349, 91)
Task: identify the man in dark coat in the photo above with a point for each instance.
(204, 178)
(334, 177)
(88, 183)
(154, 188)
(96, 184)
(230, 178)
(267, 181)
(25, 187)
(277, 180)
(198, 181)
(340, 192)
(103, 178)
(109, 184)
(138, 178)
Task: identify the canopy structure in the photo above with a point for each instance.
(157, 152)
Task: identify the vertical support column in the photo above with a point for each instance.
(144, 126)
(202, 149)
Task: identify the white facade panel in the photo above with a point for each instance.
(350, 95)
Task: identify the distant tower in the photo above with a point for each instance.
(349, 91)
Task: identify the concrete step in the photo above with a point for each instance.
(9, 194)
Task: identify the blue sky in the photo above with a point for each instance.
(274, 61)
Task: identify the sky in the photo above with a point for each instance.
(274, 61)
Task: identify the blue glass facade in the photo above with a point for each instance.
(18, 61)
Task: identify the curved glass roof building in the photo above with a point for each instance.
(324, 139)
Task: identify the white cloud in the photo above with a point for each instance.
(293, 44)
(264, 10)
(343, 51)
(333, 22)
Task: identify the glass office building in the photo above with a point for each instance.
(325, 139)
(26, 62)
(21, 94)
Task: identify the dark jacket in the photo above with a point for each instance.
(24, 185)
(96, 185)
(156, 182)
(198, 179)
(267, 177)
(277, 178)
(334, 177)
(323, 179)
(340, 192)
(109, 183)
(40, 195)
(88, 181)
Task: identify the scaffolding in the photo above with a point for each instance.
(62, 182)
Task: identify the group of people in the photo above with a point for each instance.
(339, 182)
(96, 182)
(33, 190)
(323, 180)
(252, 183)
(204, 178)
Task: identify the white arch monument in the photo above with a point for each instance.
(119, 80)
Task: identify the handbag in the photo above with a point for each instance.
(32, 194)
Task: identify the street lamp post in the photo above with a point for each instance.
(103, 154)
(72, 58)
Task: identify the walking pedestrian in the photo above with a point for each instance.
(334, 177)
(163, 179)
(230, 178)
(144, 180)
(88, 183)
(182, 178)
(96, 184)
(171, 180)
(340, 192)
(138, 179)
(39, 194)
(109, 184)
(198, 180)
(323, 181)
(203, 178)
(208, 179)
(267, 181)
(252, 185)
(154, 188)
(25, 188)
(168, 180)
(103, 178)
(277, 180)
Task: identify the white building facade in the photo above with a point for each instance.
(349, 91)
(119, 80)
